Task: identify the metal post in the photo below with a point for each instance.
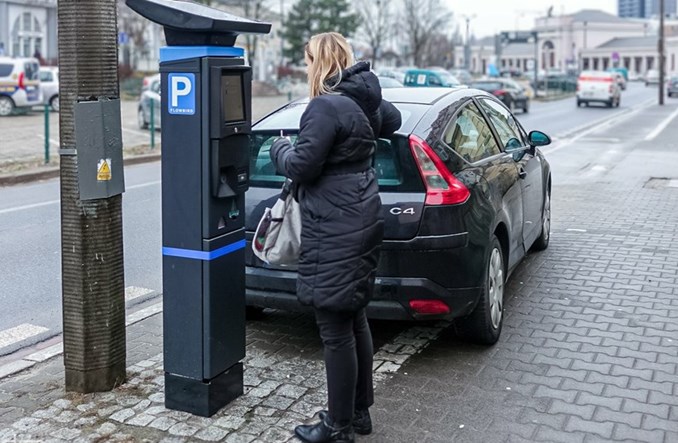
(662, 64)
(46, 133)
(536, 63)
(152, 124)
(91, 227)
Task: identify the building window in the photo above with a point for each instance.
(27, 36)
(548, 55)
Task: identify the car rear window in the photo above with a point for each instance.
(6, 69)
(262, 170)
(31, 70)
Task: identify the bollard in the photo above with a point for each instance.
(46, 133)
(152, 124)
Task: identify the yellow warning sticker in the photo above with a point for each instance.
(104, 169)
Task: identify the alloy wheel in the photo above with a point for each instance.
(6, 106)
(546, 226)
(496, 287)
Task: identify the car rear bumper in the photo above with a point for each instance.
(276, 289)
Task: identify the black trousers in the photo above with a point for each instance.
(348, 362)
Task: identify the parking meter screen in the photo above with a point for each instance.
(232, 106)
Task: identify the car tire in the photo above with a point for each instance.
(526, 108)
(579, 102)
(542, 241)
(54, 103)
(484, 324)
(141, 119)
(6, 106)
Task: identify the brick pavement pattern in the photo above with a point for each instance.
(588, 352)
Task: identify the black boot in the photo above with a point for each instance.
(362, 422)
(324, 432)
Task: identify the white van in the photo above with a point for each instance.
(598, 87)
(19, 84)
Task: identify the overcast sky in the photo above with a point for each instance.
(504, 15)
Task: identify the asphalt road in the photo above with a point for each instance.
(30, 286)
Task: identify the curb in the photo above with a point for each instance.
(54, 171)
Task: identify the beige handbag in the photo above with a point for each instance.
(277, 239)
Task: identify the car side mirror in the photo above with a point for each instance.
(538, 138)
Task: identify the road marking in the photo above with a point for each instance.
(51, 140)
(132, 292)
(661, 126)
(607, 123)
(58, 348)
(52, 202)
(19, 333)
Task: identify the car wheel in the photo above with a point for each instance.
(141, 119)
(526, 108)
(54, 103)
(484, 324)
(6, 106)
(579, 102)
(542, 241)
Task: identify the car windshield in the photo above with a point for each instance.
(448, 79)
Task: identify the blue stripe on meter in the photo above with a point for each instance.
(203, 255)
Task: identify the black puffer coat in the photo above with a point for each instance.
(342, 224)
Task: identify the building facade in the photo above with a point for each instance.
(588, 39)
(631, 8)
(28, 28)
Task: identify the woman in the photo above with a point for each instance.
(342, 224)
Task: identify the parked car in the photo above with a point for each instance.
(19, 84)
(149, 97)
(463, 76)
(465, 192)
(389, 82)
(672, 86)
(621, 81)
(652, 77)
(49, 82)
(430, 78)
(598, 87)
(507, 90)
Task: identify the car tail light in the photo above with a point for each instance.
(442, 187)
(22, 82)
(429, 307)
(499, 92)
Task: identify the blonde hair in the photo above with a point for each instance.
(327, 54)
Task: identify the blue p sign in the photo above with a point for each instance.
(181, 94)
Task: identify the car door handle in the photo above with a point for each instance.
(522, 174)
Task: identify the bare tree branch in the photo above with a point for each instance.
(376, 26)
(423, 19)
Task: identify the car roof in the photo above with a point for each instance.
(415, 96)
(424, 96)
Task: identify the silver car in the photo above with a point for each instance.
(150, 97)
(49, 82)
(672, 86)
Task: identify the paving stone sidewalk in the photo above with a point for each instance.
(284, 386)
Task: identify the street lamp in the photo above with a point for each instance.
(467, 48)
(661, 52)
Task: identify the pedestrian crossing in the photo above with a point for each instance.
(27, 332)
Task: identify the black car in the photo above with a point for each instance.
(508, 91)
(465, 193)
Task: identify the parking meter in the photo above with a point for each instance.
(206, 121)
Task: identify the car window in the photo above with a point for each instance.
(31, 70)
(46, 76)
(505, 124)
(470, 136)
(6, 70)
(262, 170)
(433, 80)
